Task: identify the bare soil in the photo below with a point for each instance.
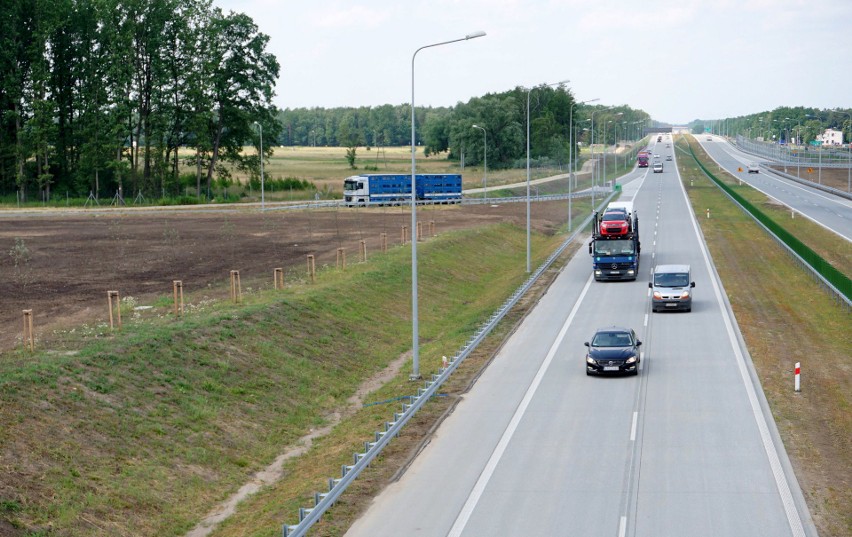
(832, 177)
(73, 258)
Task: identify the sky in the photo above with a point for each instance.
(678, 60)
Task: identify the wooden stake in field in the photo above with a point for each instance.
(278, 278)
(419, 231)
(404, 234)
(236, 287)
(341, 258)
(384, 242)
(431, 228)
(363, 251)
(177, 293)
(114, 305)
(312, 268)
(29, 338)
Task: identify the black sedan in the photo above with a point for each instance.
(613, 350)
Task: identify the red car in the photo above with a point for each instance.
(615, 223)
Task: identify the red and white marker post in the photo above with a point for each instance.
(798, 381)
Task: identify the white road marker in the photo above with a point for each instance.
(633, 427)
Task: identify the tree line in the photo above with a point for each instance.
(784, 124)
(450, 129)
(98, 96)
(116, 96)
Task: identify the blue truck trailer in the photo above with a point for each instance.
(615, 257)
(387, 188)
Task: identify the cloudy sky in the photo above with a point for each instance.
(678, 60)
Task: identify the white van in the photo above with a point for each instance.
(671, 288)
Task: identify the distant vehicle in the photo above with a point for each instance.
(642, 159)
(671, 288)
(385, 188)
(656, 155)
(659, 138)
(709, 138)
(668, 157)
(753, 168)
(658, 167)
(613, 350)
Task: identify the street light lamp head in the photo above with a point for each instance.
(474, 35)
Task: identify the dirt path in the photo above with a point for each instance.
(274, 471)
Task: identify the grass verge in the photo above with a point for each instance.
(141, 433)
(787, 317)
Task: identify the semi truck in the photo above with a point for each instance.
(387, 188)
(615, 257)
(642, 159)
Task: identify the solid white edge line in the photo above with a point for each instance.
(622, 526)
(790, 510)
(783, 181)
(479, 488)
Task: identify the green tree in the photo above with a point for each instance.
(241, 81)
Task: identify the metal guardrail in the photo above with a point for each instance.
(783, 154)
(336, 486)
(791, 243)
(340, 204)
(811, 184)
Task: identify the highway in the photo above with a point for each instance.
(538, 448)
(832, 212)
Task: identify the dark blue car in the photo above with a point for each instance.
(613, 350)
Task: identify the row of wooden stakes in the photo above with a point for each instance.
(114, 301)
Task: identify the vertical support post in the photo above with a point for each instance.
(384, 242)
(341, 258)
(114, 306)
(278, 278)
(404, 234)
(419, 231)
(798, 375)
(29, 338)
(236, 287)
(312, 268)
(363, 252)
(431, 228)
(177, 293)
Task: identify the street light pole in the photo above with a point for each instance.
(262, 198)
(529, 92)
(849, 153)
(571, 152)
(415, 337)
(592, 147)
(485, 159)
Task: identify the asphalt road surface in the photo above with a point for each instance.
(832, 212)
(537, 448)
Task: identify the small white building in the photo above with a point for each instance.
(831, 137)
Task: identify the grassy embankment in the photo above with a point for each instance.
(144, 431)
(787, 317)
